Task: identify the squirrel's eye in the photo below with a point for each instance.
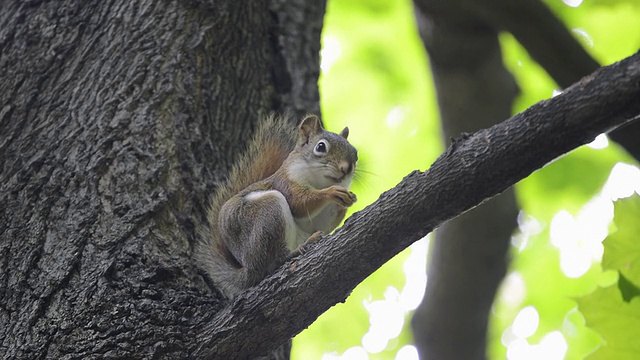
(321, 147)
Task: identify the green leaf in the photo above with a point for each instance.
(622, 246)
(614, 311)
(617, 322)
(628, 289)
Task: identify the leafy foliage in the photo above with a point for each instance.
(613, 311)
(375, 79)
(564, 189)
(622, 246)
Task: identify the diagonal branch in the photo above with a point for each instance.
(545, 37)
(532, 23)
(541, 33)
(473, 169)
(550, 43)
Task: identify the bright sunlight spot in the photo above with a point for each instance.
(513, 289)
(407, 352)
(527, 226)
(623, 181)
(572, 3)
(386, 317)
(373, 343)
(330, 53)
(396, 116)
(524, 325)
(415, 273)
(580, 239)
(552, 346)
(526, 322)
(600, 142)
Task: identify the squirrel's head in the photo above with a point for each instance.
(323, 158)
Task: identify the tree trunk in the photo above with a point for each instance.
(116, 120)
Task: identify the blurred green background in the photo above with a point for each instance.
(568, 293)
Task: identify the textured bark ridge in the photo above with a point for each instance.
(116, 120)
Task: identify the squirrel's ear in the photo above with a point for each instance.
(345, 132)
(310, 125)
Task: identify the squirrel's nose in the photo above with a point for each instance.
(345, 167)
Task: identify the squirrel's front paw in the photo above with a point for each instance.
(342, 196)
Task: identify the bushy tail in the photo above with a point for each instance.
(273, 141)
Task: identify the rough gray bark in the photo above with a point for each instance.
(471, 171)
(116, 119)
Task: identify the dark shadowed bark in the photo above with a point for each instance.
(116, 120)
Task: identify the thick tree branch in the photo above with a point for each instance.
(542, 34)
(545, 37)
(474, 169)
(550, 43)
